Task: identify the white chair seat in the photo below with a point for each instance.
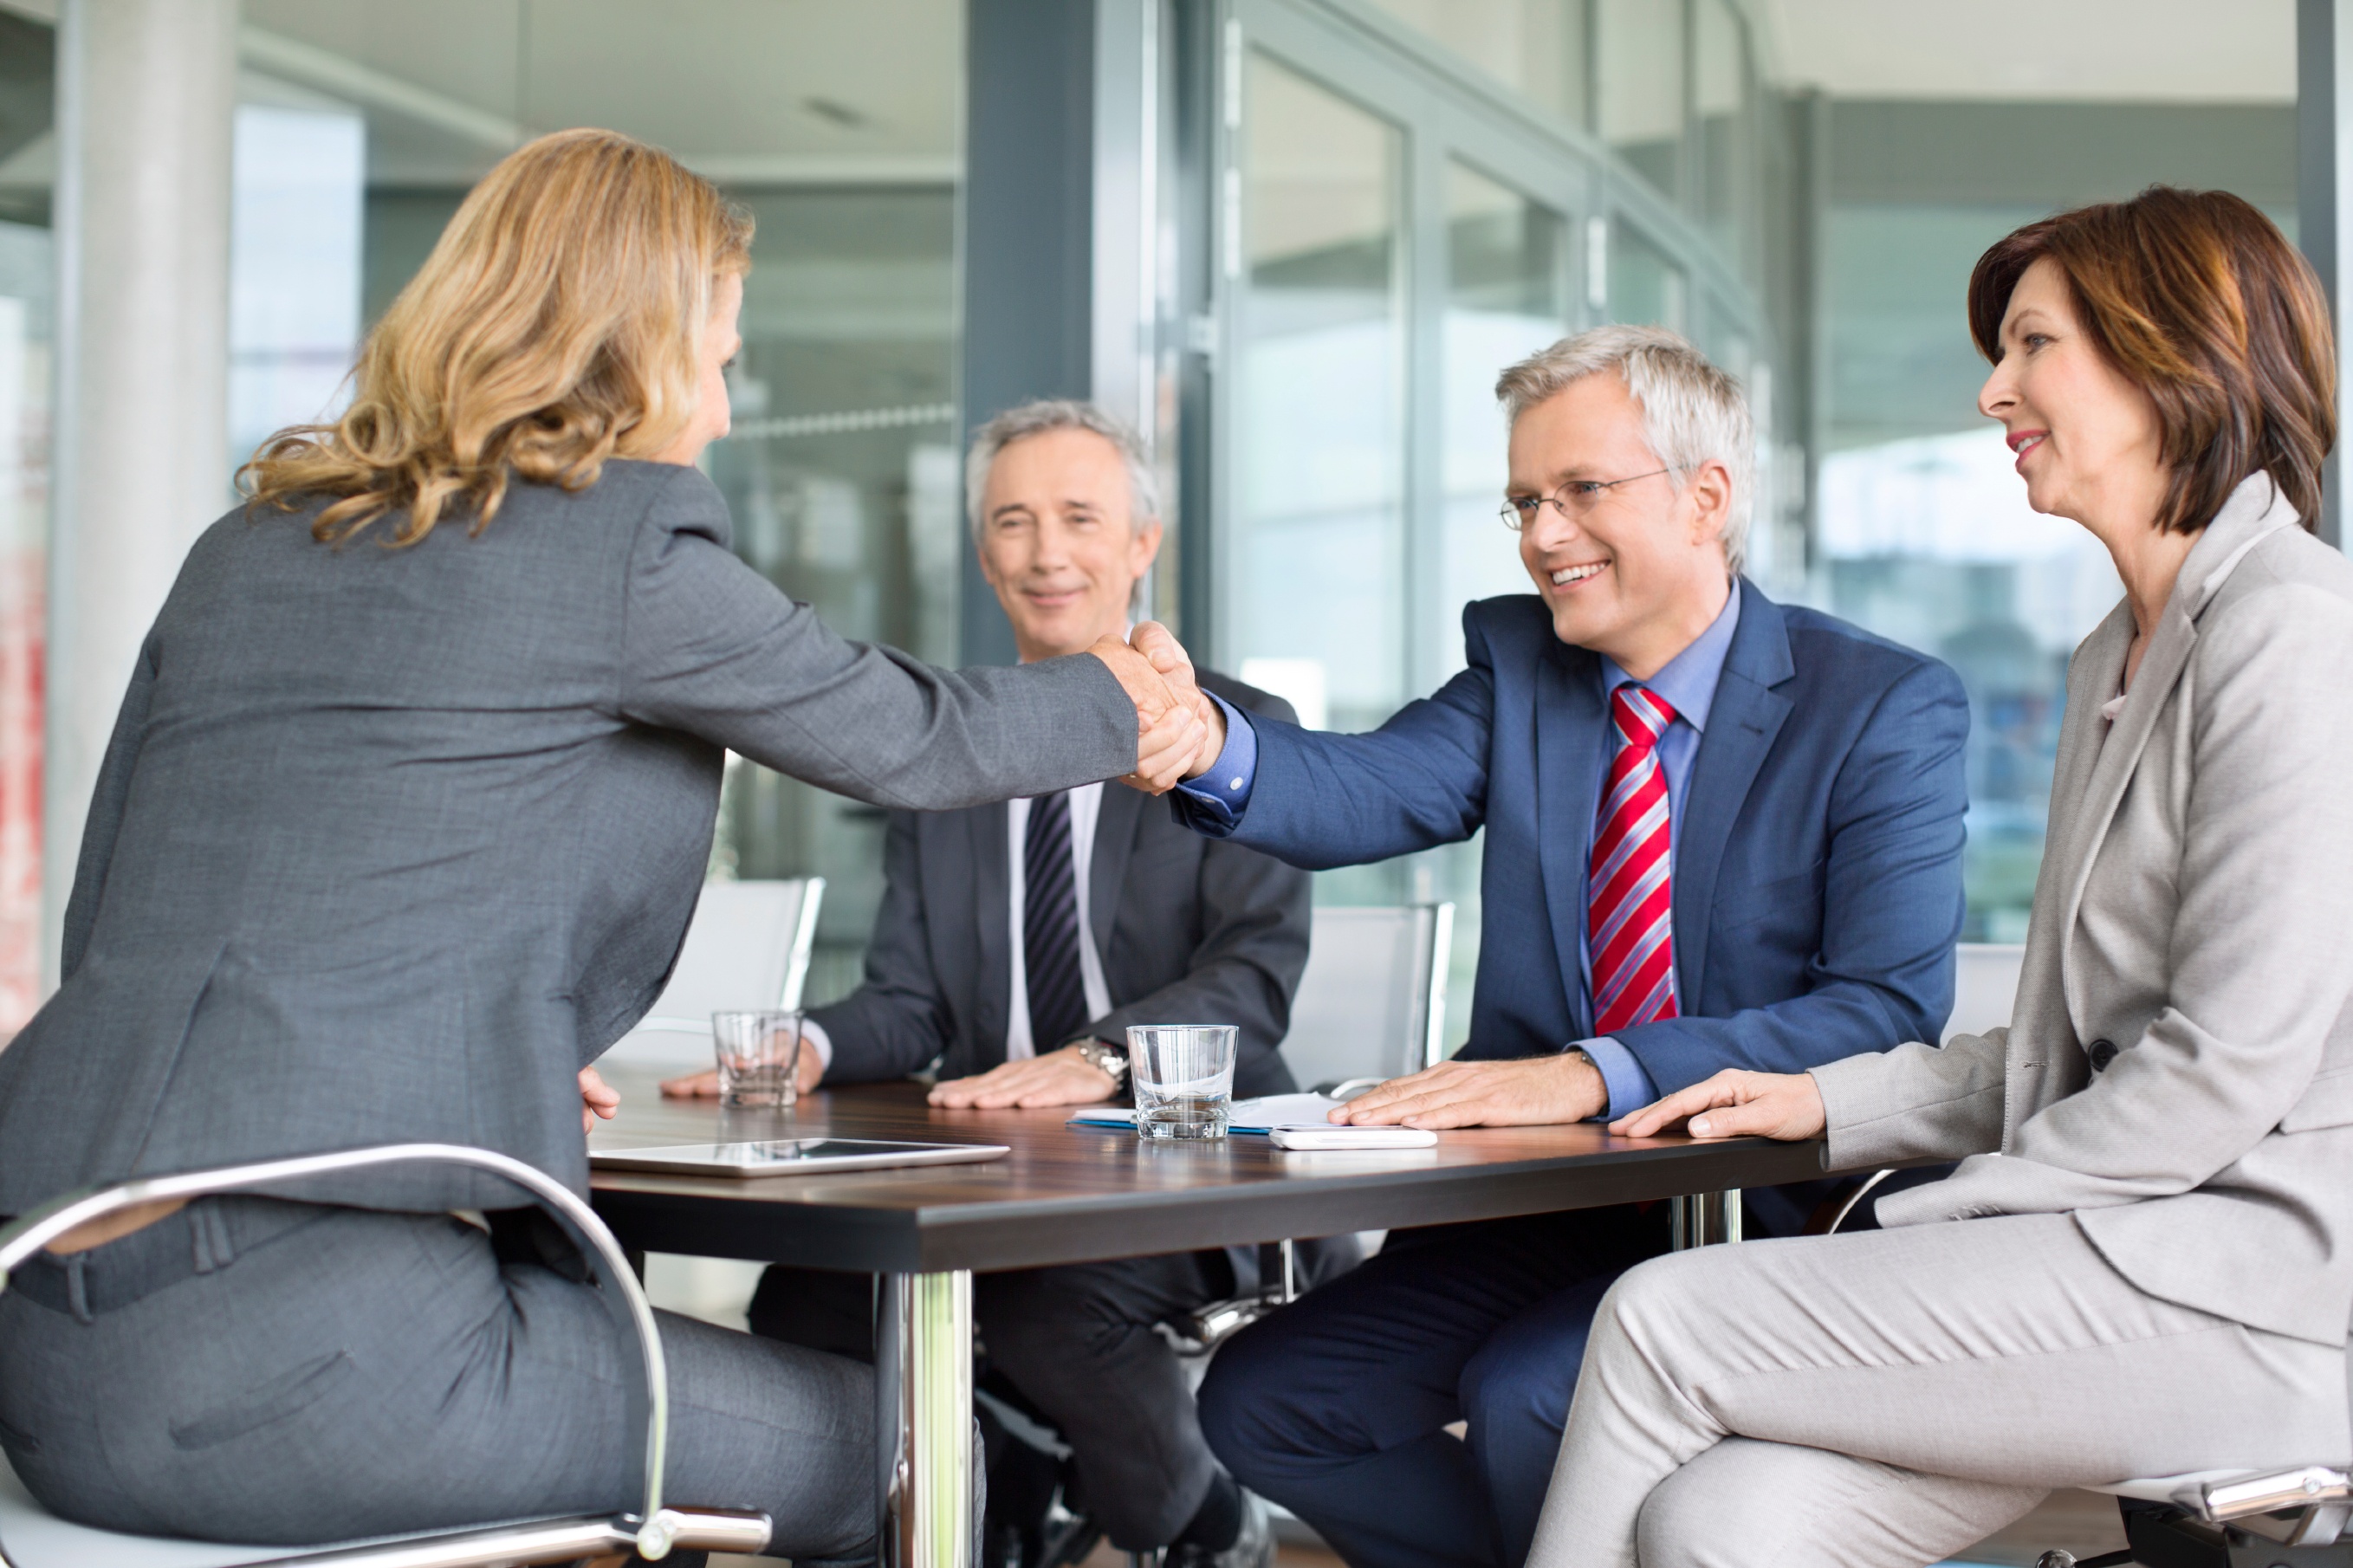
(35, 1538)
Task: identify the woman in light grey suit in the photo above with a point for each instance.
(401, 825)
(2144, 1263)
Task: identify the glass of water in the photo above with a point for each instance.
(759, 1054)
(1183, 1077)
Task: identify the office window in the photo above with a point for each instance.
(1646, 286)
(1639, 87)
(838, 126)
(26, 270)
(1506, 297)
(1721, 87)
(1316, 591)
(1536, 49)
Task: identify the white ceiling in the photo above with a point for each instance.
(2190, 51)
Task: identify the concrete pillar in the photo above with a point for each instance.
(146, 100)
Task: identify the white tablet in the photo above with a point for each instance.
(790, 1156)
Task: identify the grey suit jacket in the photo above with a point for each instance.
(388, 844)
(2178, 1071)
(1191, 929)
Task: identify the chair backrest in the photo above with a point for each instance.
(748, 948)
(1985, 986)
(1373, 1001)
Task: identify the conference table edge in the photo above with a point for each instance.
(659, 1214)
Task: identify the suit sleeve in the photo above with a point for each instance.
(1321, 800)
(711, 647)
(1918, 1102)
(1255, 919)
(107, 804)
(891, 1025)
(1892, 906)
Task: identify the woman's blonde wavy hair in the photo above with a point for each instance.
(558, 322)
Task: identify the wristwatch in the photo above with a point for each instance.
(1105, 1057)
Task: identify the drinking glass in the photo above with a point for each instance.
(758, 1055)
(1183, 1077)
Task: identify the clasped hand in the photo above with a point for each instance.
(1179, 730)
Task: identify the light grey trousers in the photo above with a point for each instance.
(359, 1374)
(1885, 1399)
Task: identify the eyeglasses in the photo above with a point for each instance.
(1574, 500)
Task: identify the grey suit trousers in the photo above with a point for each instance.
(332, 1373)
(1885, 1399)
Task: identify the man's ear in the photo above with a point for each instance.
(1711, 502)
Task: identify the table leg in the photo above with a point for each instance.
(927, 1480)
(1704, 1219)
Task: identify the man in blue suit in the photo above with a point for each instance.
(1720, 832)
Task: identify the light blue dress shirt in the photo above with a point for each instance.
(1687, 683)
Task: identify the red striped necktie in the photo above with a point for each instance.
(1630, 930)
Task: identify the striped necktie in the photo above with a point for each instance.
(1049, 926)
(1630, 930)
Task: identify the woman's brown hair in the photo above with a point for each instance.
(558, 322)
(2198, 299)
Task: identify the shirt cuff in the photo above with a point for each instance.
(815, 1039)
(1223, 792)
(1630, 1086)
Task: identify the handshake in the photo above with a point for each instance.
(1179, 730)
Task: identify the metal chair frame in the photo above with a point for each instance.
(653, 1532)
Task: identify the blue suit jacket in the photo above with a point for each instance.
(1817, 864)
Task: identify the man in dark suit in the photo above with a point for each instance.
(1015, 944)
(1720, 834)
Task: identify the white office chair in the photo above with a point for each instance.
(1373, 1001)
(31, 1537)
(747, 949)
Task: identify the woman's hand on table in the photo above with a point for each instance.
(1058, 1077)
(1735, 1104)
(806, 1074)
(598, 1099)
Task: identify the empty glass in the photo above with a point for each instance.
(759, 1054)
(1183, 1077)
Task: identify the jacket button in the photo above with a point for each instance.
(2102, 1052)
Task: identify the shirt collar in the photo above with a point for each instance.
(1687, 683)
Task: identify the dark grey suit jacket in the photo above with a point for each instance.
(1191, 929)
(388, 844)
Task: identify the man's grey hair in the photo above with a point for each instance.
(1694, 411)
(1059, 414)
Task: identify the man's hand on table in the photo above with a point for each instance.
(1736, 1103)
(598, 1099)
(1058, 1077)
(1533, 1092)
(807, 1073)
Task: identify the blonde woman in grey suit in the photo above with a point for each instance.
(2144, 1263)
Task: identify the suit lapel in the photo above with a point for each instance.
(2252, 511)
(1742, 725)
(991, 887)
(1116, 824)
(1572, 732)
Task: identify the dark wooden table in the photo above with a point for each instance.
(1075, 1193)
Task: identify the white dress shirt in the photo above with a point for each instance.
(1086, 805)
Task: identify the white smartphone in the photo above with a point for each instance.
(1337, 1137)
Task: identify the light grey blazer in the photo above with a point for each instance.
(388, 844)
(2194, 912)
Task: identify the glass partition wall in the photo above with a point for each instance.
(1401, 219)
